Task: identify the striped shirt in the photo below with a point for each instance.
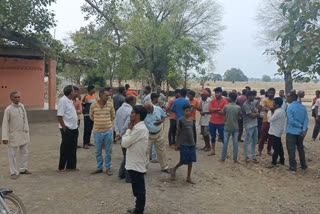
(102, 117)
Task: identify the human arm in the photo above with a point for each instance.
(61, 122)
(291, 118)
(177, 136)
(275, 116)
(131, 137)
(91, 112)
(60, 114)
(163, 117)
(5, 127)
(305, 123)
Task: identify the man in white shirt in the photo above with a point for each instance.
(136, 142)
(205, 119)
(121, 125)
(68, 124)
(277, 119)
(15, 134)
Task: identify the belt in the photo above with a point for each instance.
(154, 133)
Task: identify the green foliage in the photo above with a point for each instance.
(299, 52)
(235, 74)
(266, 78)
(217, 77)
(28, 17)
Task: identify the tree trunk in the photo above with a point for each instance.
(185, 78)
(288, 81)
(168, 89)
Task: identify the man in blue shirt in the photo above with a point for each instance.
(296, 131)
(177, 106)
(154, 123)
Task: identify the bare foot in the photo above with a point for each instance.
(173, 174)
(190, 181)
(211, 154)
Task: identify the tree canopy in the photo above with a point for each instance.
(235, 74)
(266, 78)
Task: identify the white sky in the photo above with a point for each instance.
(239, 48)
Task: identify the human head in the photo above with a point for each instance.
(177, 93)
(91, 89)
(235, 91)
(155, 98)
(277, 102)
(131, 100)
(15, 97)
(147, 90)
(218, 92)
(300, 93)
(271, 93)
(122, 90)
(248, 88)
(127, 86)
(244, 92)
(69, 91)
(224, 93)
(317, 93)
(262, 92)
(76, 92)
(233, 96)
(158, 89)
(204, 95)
(186, 110)
(191, 95)
(292, 97)
(183, 92)
(250, 96)
(138, 114)
(104, 94)
(281, 93)
(209, 91)
(149, 107)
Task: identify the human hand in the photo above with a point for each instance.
(5, 142)
(130, 125)
(158, 122)
(303, 134)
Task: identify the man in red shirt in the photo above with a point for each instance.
(217, 118)
(129, 91)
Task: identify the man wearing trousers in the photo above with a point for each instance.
(68, 124)
(296, 131)
(15, 133)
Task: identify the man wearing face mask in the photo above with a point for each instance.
(102, 114)
(267, 104)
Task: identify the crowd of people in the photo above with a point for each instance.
(137, 124)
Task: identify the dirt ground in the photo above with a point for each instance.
(220, 188)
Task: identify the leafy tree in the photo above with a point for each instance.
(204, 75)
(266, 78)
(235, 75)
(217, 77)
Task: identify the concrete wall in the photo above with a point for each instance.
(26, 76)
(38, 116)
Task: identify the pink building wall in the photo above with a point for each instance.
(26, 76)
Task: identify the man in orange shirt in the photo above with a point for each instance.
(88, 123)
(217, 118)
(267, 104)
(195, 105)
(173, 120)
(130, 92)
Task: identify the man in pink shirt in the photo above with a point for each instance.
(217, 118)
(173, 120)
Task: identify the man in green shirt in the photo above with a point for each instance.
(232, 113)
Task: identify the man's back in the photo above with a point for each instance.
(231, 112)
(297, 118)
(178, 106)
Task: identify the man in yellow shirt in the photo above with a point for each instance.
(102, 114)
(267, 104)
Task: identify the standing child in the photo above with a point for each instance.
(186, 143)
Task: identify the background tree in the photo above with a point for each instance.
(235, 74)
(266, 78)
(291, 35)
(217, 77)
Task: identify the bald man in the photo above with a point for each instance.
(154, 123)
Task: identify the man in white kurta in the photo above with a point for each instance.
(15, 133)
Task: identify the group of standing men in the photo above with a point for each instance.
(139, 128)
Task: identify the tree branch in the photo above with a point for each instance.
(113, 24)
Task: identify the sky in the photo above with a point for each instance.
(239, 48)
